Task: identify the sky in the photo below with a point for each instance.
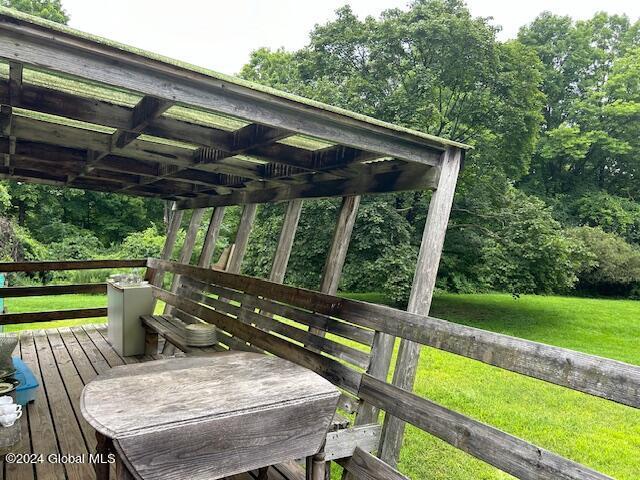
(220, 35)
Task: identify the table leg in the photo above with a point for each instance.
(263, 473)
(104, 447)
(122, 472)
(151, 343)
(316, 467)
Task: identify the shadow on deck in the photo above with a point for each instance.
(64, 360)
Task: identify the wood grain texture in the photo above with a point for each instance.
(342, 443)
(210, 408)
(285, 241)
(33, 317)
(367, 467)
(187, 248)
(506, 452)
(52, 266)
(332, 271)
(424, 282)
(61, 52)
(209, 245)
(11, 292)
(242, 237)
(332, 370)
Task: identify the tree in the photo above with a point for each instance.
(48, 9)
(436, 68)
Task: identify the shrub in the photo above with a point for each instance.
(144, 244)
(613, 266)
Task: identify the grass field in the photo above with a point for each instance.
(598, 433)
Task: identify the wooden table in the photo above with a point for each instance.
(209, 417)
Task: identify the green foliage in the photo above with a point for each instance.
(590, 79)
(518, 247)
(380, 233)
(76, 244)
(144, 244)
(48, 9)
(5, 199)
(398, 264)
(617, 215)
(613, 265)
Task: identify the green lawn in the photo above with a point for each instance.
(598, 433)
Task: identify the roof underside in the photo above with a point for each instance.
(87, 113)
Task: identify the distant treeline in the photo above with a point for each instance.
(549, 199)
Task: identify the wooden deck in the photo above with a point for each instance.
(64, 360)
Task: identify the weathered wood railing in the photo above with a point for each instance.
(31, 267)
(609, 379)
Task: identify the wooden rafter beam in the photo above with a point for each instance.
(64, 52)
(64, 104)
(245, 139)
(71, 162)
(410, 177)
(15, 83)
(219, 142)
(255, 135)
(144, 113)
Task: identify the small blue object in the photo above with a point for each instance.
(26, 391)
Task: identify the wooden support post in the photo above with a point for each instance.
(242, 237)
(285, 243)
(332, 271)
(175, 221)
(209, 245)
(187, 248)
(339, 245)
(185, 257)
(422, 292)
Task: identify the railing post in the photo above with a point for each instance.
(422, 292)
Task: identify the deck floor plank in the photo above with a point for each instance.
(73, 384)
(91, 351)
(70, 439)
(80, 360)
(110, 355)
(42, 434)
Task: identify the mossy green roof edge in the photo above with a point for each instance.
(226, 78)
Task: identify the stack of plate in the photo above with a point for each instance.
(201, 335)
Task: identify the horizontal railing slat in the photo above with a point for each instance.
(334, 371)
(50, 266)
(13, 292)
(33, 317)
(506, 452)
(367, 467)
(602, 377)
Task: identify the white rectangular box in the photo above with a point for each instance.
(125, 305)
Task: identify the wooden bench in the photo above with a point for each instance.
(333, 347)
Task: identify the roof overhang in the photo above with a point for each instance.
(88, 113)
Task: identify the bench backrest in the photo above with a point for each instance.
(293, 323)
